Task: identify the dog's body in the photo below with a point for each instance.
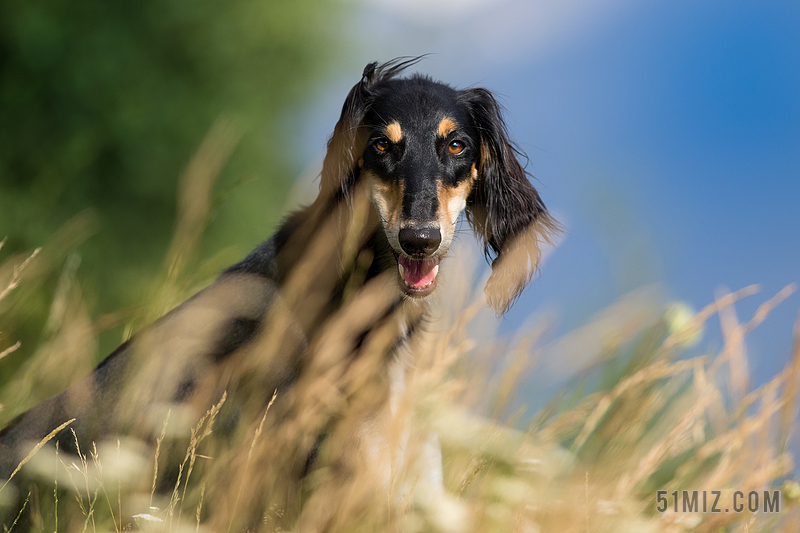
(345, 279)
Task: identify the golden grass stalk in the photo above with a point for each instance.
(35, 450)
(16, 275)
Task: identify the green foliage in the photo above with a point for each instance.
(103, 103)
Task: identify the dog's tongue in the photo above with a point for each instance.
(418, 273)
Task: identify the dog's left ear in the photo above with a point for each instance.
(504, 209)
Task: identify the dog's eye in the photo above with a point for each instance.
(381, 145)
(456, 147)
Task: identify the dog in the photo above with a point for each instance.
(337, 293)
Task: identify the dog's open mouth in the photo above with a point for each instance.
(418, 275)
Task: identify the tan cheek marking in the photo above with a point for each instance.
(394, 132)
(388, 198)
(453, 200)
(446, 127)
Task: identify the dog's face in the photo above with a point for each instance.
(419, 162)
(427, 153)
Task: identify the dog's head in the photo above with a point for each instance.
(427, 153)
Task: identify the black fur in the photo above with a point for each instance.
(504, 209)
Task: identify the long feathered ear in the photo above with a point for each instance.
(339, 169)
(504, 209)
(344, 146)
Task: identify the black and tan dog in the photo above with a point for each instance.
(326, 309)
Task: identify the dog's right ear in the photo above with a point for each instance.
(340, 168)
(346, 144)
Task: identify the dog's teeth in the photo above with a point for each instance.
(435, 272)
(402, 270)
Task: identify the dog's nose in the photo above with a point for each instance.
(419, 241)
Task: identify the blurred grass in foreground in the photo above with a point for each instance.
(588, 462)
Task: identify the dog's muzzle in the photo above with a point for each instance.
(417, 268)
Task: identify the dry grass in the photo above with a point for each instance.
(590, 461)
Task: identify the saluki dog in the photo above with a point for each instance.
(326, 310)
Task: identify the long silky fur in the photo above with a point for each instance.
(504, 209)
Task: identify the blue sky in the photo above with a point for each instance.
(665, 135)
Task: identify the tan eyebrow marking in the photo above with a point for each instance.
(393, 132)
(446, 127)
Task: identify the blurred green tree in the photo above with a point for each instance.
(103, 103)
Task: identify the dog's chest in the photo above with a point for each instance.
(387, 441)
